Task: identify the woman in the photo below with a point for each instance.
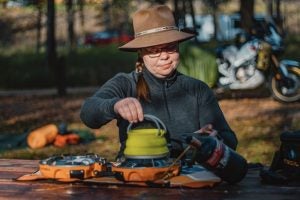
(184, 104)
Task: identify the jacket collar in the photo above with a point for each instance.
(152, 80)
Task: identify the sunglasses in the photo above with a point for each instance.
(154, 52)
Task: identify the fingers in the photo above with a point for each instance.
(213, 132)
(129, 109)
(208, 129)
(139, 110)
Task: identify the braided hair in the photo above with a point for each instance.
(142, 88)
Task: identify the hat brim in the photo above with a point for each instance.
(156, 39)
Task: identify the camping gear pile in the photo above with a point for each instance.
(285, 167)
(51, 134)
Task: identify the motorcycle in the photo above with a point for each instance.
(255, 62)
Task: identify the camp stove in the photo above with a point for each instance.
(73, 167)
(73, 160)
(147, 162)
(145, 170)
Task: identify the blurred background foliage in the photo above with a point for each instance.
(204, 69)
(24, 69)
(30, 58)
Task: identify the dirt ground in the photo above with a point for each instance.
(257, 123)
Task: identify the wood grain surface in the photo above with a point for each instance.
(249, 188)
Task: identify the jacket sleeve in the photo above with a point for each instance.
(98, 109)
(210, 113)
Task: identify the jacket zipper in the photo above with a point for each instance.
(165, 98)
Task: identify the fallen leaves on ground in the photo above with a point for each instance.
(257, 123)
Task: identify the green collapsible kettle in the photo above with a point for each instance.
(147, 142)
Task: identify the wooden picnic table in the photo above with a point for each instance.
(249, 188)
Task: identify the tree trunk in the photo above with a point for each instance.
(39, 7)
(106, 7)
(179, 13)
(215, 24)
(191, 9)
(51, 43)
(51, 49)
(81, 15)
(269, 8)
(192, 12)
(247, 14)
(278, 19)
(4, 4)
(70, 20)
(176, 12)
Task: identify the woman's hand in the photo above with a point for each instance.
(130, 109)
(208, 129)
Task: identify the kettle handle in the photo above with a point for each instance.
(159, 124)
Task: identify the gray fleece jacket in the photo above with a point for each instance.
(183, 103)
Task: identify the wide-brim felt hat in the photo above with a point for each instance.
(154, 26)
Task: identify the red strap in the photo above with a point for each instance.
(217, 155)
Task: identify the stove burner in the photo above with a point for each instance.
(73, 160)
(155, 162)
(146, 169)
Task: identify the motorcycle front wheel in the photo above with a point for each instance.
(286, 89)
